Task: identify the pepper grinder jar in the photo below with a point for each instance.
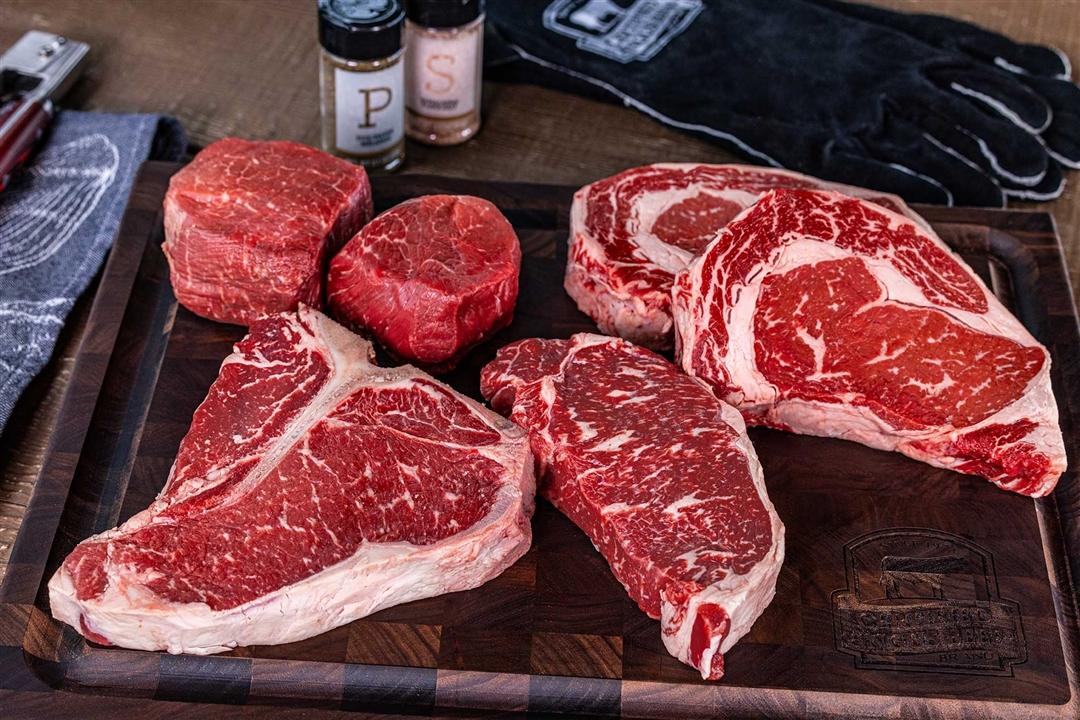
(362, 81)
(445, 61)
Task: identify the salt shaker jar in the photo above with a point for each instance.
(362, 81)
(444, 66)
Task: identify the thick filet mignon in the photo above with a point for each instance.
(249, 226)
(429, 278)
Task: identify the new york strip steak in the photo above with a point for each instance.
(826, 315)
(659, 474)
(312, 489)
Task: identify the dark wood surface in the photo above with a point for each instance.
(556, 631)
(247, 68)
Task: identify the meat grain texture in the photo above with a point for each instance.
(250, 226)
(659, 474)
(430, 278)
(632, 232)
(826, 315)
(313, 488)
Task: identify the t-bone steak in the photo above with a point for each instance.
(312, 489)
(659, 474)
(823, 314)
(429, 278)
(630, 233)
(250, 226)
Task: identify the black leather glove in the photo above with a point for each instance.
(1044, 70)
(792, 83)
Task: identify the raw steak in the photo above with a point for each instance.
(659, 474)
(249, 226)
(630, 233)
(313, 488)
(429, 278)
(826, 315)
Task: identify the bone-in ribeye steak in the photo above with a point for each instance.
(429, 278)
(659, 474)
(249, 226)
(826, 315)
(630, 233)
(313, 488)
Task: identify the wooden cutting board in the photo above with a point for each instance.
(907, 590)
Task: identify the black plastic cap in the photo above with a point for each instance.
(361, 29)
(443, 13)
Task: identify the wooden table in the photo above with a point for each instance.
(236, 67)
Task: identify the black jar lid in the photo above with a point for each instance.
(443, 13)
(360, 29)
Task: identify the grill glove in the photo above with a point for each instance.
(797, 84)
(1044, 70)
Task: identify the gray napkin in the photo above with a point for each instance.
(58, 218)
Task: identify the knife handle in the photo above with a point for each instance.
(21, 124)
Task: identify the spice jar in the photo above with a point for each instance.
(362, 81)
(445, 59)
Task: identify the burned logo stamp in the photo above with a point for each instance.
(925, 600)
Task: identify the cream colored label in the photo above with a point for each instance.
(370, 109)
(442, 79)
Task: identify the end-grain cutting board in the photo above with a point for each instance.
(979, 618)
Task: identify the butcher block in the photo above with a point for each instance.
(906, 590)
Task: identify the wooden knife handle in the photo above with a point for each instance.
(23, 122)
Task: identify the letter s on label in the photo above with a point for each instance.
(433, 86)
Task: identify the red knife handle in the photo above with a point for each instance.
(16, 143)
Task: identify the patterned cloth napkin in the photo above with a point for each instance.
(58, 218)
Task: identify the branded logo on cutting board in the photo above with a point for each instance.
(622, 30)
(920, 599)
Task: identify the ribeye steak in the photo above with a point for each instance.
(630, 233)
(827, 315)
(429, 278)
(659, 474)
(249, 226)
(313, 488)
